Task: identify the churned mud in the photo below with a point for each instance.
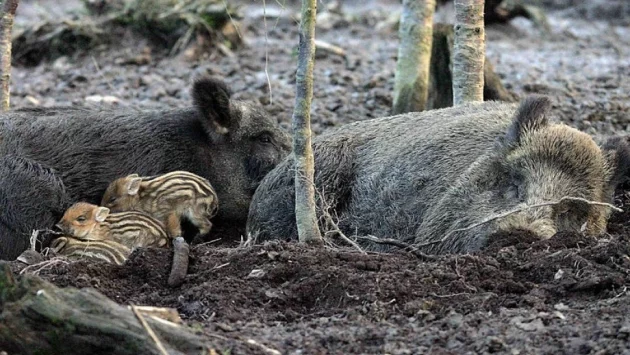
(567, 294)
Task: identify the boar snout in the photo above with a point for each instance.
(536, 220)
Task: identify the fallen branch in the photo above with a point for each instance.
(37, 317)
(517, 210)
(179, 268)
(397, 243)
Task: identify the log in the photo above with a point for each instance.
(39, 318)
(179, 268)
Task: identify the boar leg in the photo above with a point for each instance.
(173, 225)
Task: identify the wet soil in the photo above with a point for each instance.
(521, 295)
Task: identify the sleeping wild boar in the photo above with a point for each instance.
(420, 177)
(231, 143)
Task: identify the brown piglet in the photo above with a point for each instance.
(168, 197)
(85, 221)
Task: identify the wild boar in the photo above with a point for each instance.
(31, 196)
(423, 177)
(105, 250)
(229, 142)
(168, 197)
(133, 229)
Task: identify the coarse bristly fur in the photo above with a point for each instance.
(133, 229)
(419, 177)
(168, 197)
(32, 197)
(231, 143)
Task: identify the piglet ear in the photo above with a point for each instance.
(133, 185)
(211, 96)
(617, 153)
(101, 214)
(531, 115)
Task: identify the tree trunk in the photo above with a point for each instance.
(414, 56)
(37, 317)
(308, 230)
(440, 77)
(6, 26)
(469, 51)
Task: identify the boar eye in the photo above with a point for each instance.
(112, 200)
(264, 138)
(81, 219)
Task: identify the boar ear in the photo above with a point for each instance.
(212, 98)
(530, 116)
(101, 214)
(133, 175)
(133, 185)
(617, 153)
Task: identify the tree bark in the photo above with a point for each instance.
(468, 52)
(308, 230)
(6, 26)
(37, 317)
(414, 56)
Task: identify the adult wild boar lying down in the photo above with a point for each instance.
(52, 157)
(419, 177)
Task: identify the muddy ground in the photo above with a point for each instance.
(564, 295)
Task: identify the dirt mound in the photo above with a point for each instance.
(522, 291)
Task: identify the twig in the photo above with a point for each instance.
(505, 214)
(219, 266)
(335, 230)
(169, 314)
(397, 243)
(206, 243)
(328, 218)
(330, 48)
(267, 52)
(33, 239)
(149, 331)
(251, 240)
(41, 266)
(449, 295)
(264, 348)
(227, 11)
(100, 73)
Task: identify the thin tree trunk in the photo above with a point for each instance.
(6, 26)
(441, 75)
(469, 51)
(414, 56)
(308, 230)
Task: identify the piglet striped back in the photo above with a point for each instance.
(106, 250)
